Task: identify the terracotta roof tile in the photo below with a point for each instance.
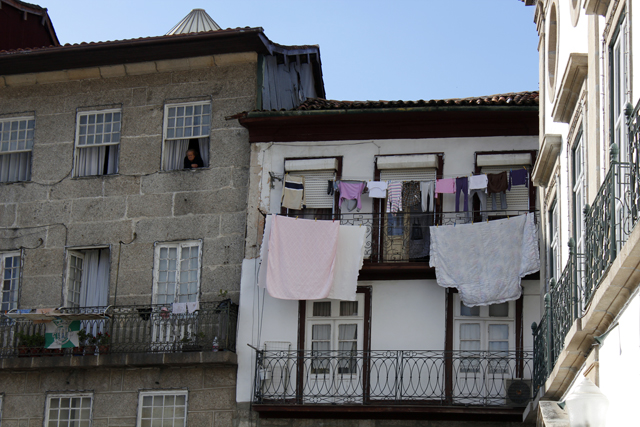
(507, 99)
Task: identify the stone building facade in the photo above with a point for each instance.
(100, 219)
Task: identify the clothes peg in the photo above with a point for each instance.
(296, 216)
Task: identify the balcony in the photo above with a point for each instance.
(117, 331)
(420, 380)
(595, 284)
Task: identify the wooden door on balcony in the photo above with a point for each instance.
(333, 371)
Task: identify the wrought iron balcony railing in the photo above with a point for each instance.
(393, 377)
(129, 329)
(403, 237)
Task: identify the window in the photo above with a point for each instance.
(177, 272)
(87, 282)
(10, 269)
(162, 409)
(68, 410)
(97, 142)
(579, 196)
(317, 173)
(186, 127)
(618, 53)
(16, 144)
(555, 267)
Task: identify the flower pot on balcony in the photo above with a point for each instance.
(103, 349)
(191, 347)
(23, 351)
(78, 351)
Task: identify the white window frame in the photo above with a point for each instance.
(24, 144)
(14, 303)
(163, 393)
(554, 240)
(167, 135)
(316, 172)
(69, 288)
(82, 137)
(47, 413)
(619, 69)
(156, 267)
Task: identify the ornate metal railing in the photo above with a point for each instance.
(129, 329)
(541, 342)
(404, 237)
(394, 377)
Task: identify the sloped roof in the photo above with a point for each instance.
(17, 31)
(196, 21)
(507, 99)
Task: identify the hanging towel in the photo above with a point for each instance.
(351, 191)
(519, 177)
(497, 182)
(264, 252)
(377, 189)
(302, 255)
(427, 190)
(410, 194)
(445, 186)
(293, 192)
(394, 196)
(192, 307)
(485, 261)
(179, 308)
(478, 182)
(349, 260)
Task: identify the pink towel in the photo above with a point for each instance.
(445, 186)
(302, 254)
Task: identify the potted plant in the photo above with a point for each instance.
(83, 336)
(192, 341)
(104, 342)
(30, 344)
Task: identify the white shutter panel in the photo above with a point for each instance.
(315, 188)
(518, 197)
(424, 174)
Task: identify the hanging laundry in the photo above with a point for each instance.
(264, 252)
(445, 186)
(462, 187)
(498, 184)
(518, 177)
(478, 182)
(427, 190)
(377, 189)
(485, 261)
(410, 194)
(293, 192)
(179, 308)
(351, 191)
(192, 307)
(349, 261)
(394, 196)
(302, 256)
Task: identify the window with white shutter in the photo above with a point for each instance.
(317, 173)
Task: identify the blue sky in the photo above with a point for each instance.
(370, 49)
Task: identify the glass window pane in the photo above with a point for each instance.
(322, 309)
(469, 311)
(498, 332)
(347, 332)
(348, 308)
(470, 331)
(499, 310)
(321, 332)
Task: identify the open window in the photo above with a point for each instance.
(87, 283)
(10, 271)
(187, 129)
(177, 272)
(97, 142)
(16, 145)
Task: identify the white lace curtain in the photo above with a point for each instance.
(176, 151)
(94, 291)
(15, 167)
(91, 160)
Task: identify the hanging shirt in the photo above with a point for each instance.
(394, 196)
(293, 192)
(377, 189)
(497, 182)
(427, 188)
(410, 194)
(350, 191)
(519, 177)
(445, 186)
(478, 182)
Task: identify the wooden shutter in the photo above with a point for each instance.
(518, 197)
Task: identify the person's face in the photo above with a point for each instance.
(191, 156)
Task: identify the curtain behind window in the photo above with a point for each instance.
(95, 279)
(175, 152)
(15, 167)
(203, 144)
(91, 160)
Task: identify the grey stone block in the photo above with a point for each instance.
(140, 155)
(206, 202)
(136, 256)
(98, 209)
(223, 250)
(41, 291)
(223, 108)
(7, 215)
(43, 262)
(142, 121)
(33, 382)
(212, 399)
(55, 128)
(116, 379)
(233, 223)
(133, 282)
(88, 101)
(121, 185)
(21, 405)
(55, 236)
(13, 382)
(23, 191)
(122, 421)
(115, 83)
(51, 162)
(139, 96)
(220, 377)
(224, 277)
(189, 376)
(240, 178)
(100, 233)
(126, 404)
(229, 147)
(38, 213)
(150, 205)
(96, 380)
(186, 180)
(77, 188)
(200, 419)
(223, 419)
(141, 379)
(190, 227)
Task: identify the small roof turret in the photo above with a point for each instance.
(197, 21)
